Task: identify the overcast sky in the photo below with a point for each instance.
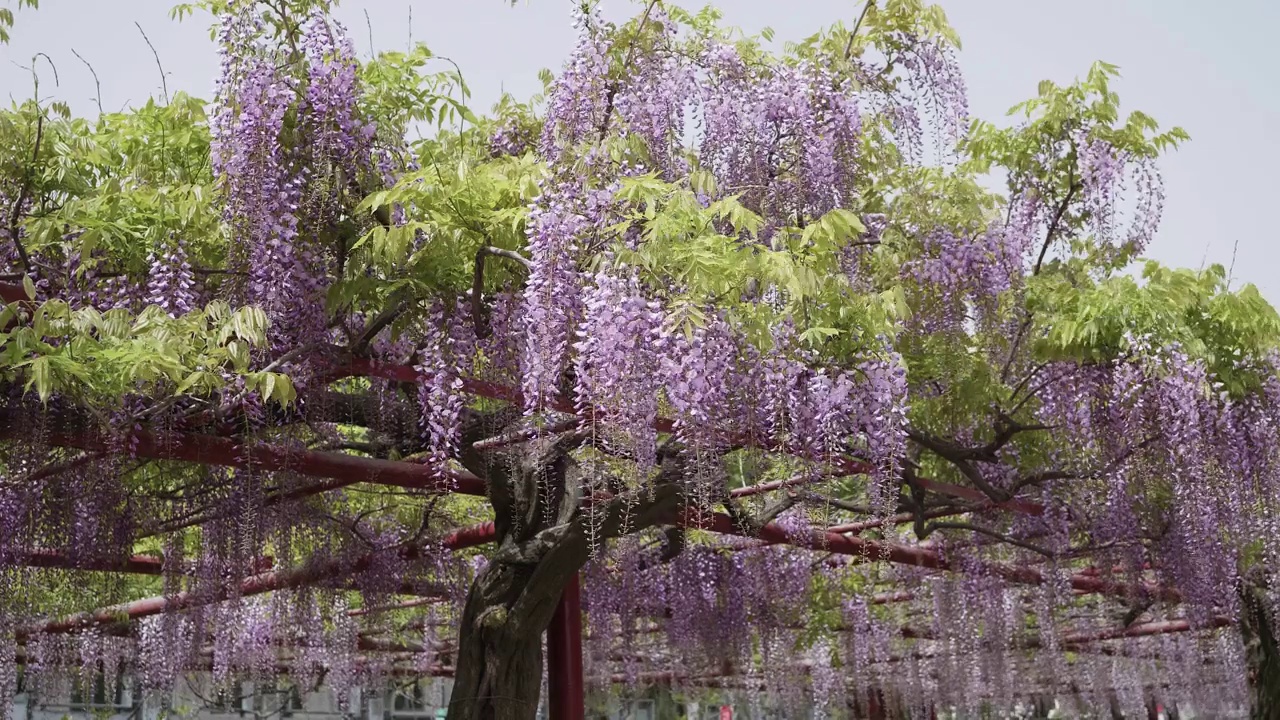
(1210, 67)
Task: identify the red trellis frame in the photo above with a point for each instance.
(564, 641)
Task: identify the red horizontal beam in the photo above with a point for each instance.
(1162, 627)
(1115, 569)
(404, 373)
(13, 293)
(872, 550)
(472, 536)
(54, 559)
(350, 469)
(361, 662)
(255, 585)
(136, 564)
(343, 469)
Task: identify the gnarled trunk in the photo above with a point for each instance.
(542, 543)
(499, 665)
(1261, 653)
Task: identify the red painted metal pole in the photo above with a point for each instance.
(48, 558)
(875, 705)
(1161, 627)
(871, 550)
(263, 583)
(564, 657)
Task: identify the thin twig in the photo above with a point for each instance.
(612, 93)
(1235, 247)
(1053, 225)
(97, 85)
(848, 48)
(1031, 393)
(1013, 394)
(164, 84)
(49, 60)
(369, 26)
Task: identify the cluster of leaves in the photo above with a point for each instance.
(1195, 311)
(112, 193)
(6, 17)
(457, 204)
(87, 355)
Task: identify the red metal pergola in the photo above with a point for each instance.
(334, 471)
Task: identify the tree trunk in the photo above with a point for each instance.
(1114, 701)
(1261, 653)
(499, 665)
(542, 543)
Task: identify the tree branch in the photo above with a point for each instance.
(1051, 475)
(1006, 428)
(955, 525)
(1072, 188)
(848, 48)
(959, 457)
(523, 435)
(477, 285)
(820, 499)
(388, 315)
(771, 512)
(15, 215)
(673, 543)
(1054, 224)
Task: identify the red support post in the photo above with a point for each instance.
(565, 688)
(875, 705)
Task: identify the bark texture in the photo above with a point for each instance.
(543, 541)
(1261, 653)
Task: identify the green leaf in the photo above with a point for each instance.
(40, 378)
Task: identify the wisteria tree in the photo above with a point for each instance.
(746, 339)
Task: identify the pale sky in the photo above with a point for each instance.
(1211, 67)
